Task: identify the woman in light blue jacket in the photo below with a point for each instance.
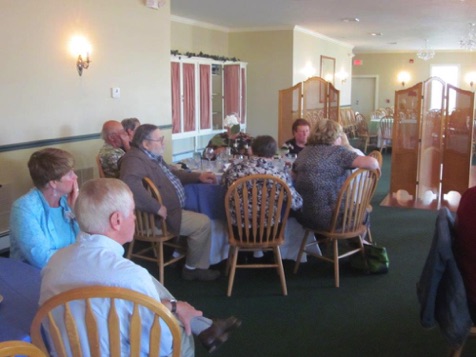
(42, 221)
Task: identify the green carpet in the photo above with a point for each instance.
(369, 315)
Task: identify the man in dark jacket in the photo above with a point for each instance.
(145, 160)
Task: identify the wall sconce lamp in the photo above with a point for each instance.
(308, 70)
(343, 76)
(80, 48)
(470, 78)
(403, 77)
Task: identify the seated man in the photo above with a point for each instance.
(465, 245)
(105, 212)
(116, 143)
(301, 130)
(145, 160)
(130, 125)
(261, 162)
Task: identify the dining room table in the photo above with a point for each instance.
(209, 199)
(19, 295)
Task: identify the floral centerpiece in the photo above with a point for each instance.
(237, 141)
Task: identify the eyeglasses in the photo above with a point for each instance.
(160, 140)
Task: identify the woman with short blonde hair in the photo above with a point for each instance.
(321, 169)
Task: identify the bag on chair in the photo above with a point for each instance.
(376, 258)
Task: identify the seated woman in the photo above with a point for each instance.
(41, 221)
(320, 171)
(238, 142)
(301, 130)
(261, 162)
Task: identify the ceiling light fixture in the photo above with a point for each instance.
(469, 42)
(375, 34)
(426, 53)
(351, 19)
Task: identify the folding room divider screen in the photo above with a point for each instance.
(312, 100)
(432, 143)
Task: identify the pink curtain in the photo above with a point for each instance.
(175, 74)
(205, 96)
(243, 96)
(232, 89)
(188, 72)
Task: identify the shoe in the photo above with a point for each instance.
(218, 333)
(200, 274)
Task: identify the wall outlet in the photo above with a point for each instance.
(115, 93)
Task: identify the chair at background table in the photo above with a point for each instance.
(257, 209)
(385, 131)
(58, 318)
(157, 236)
(347, 219)
(16, 348)
(362, 130)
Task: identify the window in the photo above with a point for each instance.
(449, 74)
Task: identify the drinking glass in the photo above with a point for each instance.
(197, 158)
(209, 154)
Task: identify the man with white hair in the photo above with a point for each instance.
(105, 213)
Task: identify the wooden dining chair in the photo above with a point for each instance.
(152, 230)
(100, 169)
(362, 130)
(103, 310)
(376, 154)
(386, 130)
(257, 209)
(20, 348)
(347, 220)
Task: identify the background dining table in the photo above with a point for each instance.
(20, 289)
(209, 200)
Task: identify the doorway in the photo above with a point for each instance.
(364, 95)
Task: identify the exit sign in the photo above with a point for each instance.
(358, 62)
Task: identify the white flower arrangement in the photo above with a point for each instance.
(230, 120)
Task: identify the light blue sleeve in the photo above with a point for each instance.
(29, 241)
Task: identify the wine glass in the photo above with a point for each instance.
(209, 154)
(197, 158)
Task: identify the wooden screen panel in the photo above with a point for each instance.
(315, 96)
(289, 110)
(333, 104)
(431, 148)
(405, 139)
(458, 141)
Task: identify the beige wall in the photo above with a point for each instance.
(307, 51)
(269, 69)
(387, 66)
(187, 37)
(43, 98)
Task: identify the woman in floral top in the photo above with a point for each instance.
(261, 162)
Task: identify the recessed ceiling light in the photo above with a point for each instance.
(350, 19)
(375, 34)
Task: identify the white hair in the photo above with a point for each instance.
(98, 199)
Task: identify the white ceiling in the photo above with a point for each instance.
(404, 24)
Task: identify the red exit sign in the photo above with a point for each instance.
(358, 62)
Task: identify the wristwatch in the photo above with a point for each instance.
(173, 303)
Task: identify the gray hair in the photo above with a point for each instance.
(142, 133)
(98, 199)
(130, 123)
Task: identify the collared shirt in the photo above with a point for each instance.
(174, 179)
(98, 260)
(36, 233)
